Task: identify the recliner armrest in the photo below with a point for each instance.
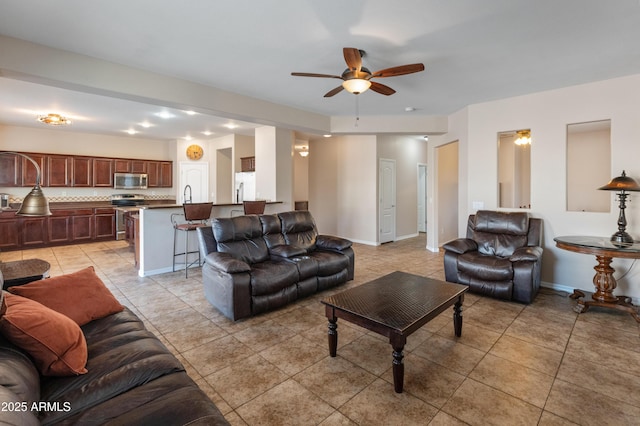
(226, 263)
(527, 254)
(287, 251)
(461, 245)
(329, 242)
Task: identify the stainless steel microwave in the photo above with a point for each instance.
(130, 180)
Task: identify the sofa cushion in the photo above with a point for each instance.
(489, 268)
(55, 342)
(130, 373)
(500, 233)
(270, 277)
(82, 296)
(299, 229)
(241, 236)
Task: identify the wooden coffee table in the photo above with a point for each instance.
(394, 306)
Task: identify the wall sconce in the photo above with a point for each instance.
(622, 183)
(35, 203)
(304, 152)
(523, 137)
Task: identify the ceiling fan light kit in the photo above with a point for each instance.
(356, 79)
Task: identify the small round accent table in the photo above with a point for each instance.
(20, 272)
(604, 281)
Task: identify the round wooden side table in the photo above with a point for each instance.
(605, 283)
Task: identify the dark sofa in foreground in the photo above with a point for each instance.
(123, 376)
(257, 263)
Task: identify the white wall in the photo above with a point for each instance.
(547, 114)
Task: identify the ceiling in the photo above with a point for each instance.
(473, 52)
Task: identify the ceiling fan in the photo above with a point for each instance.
(357, 79)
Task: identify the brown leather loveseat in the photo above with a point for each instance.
(257, 263)
(501, 255)
(130, 377)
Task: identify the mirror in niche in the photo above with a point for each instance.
(588, 165)
(514, 169)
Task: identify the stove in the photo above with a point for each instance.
(124, 203)
(127, 199)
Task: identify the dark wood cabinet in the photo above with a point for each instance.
(10, 170)
(59, 231)
(58, 170)
(166, 174)
(103, 172)
(33, 231)
(29, 172)
(122, 165)
(9, 232)
(81, 172)
(153, 174)
(138, 166)
(105, 225)
(248, 164)
(82, 227)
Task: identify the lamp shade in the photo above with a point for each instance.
(621, 183)
(356, 85)
(35, 203)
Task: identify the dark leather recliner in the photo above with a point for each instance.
(500, 257)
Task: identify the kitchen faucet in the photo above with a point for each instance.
(184, 194)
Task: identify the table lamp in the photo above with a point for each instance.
(623, 184)
(35, 203)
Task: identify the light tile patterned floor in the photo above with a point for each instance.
(514, 364)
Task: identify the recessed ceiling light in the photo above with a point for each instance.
(131, 131)
(207, 133)
(145, 124)
(230, 126)
(189, 112)
(326, 136)
(409, 109)
(164, 114)
(187, 138)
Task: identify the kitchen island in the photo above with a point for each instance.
(156, 233)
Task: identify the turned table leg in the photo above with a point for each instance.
(604, 281)
(333, 336)
(457, 316)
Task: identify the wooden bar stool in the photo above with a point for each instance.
(195, 215)
(254, 207)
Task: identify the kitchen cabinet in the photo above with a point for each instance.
(104, 227)
(153, 174)
(138, 166)
(59, 229)
(9, 232)
(10, 170)
(58, 170)
(81, 172)
(33, 231)
(103, 169)
(166, 174)
(29, 172)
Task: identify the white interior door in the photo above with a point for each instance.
(387, 191)
(422, 198)
(196, 175)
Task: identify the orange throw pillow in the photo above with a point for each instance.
(53, 340)
(82, 296)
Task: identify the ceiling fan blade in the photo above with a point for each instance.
(353, 58)
(310, 74)
(400, 70)
(381, 88)
(330, 93)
